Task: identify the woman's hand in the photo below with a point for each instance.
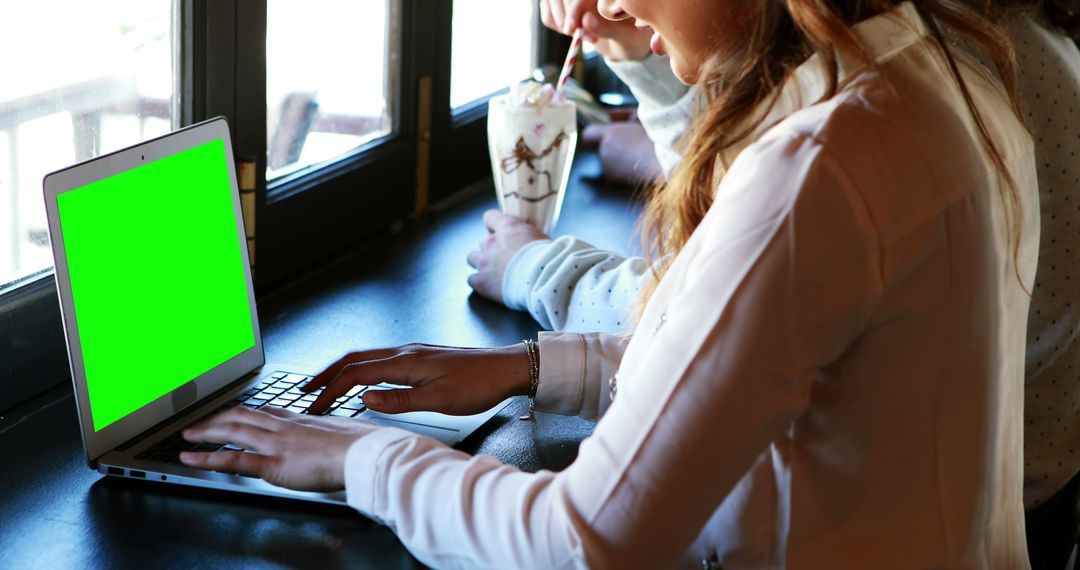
(617, 41)
(300, 452)
(627, 154)
(458, 381)
(507, 236)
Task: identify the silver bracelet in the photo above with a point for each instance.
(534, 376)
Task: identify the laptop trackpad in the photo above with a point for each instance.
(184, 396)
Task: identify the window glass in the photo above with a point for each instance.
(98, 80)
(492, 47)
(328, 79)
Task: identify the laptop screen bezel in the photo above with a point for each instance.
(98, 443)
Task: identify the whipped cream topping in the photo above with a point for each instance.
(534, 94)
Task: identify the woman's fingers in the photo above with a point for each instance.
(243, 435)
(228, 461)
(242, 415)
(476, 256)
(418, 366)
(330, 372)
(497, 221)
(396, 369)
(574, 12)
(545, 14)
(279, 412)
(308, 453)
(323, 378)
(283, 415)
(486, 285)
(426, 398)
(552, 14)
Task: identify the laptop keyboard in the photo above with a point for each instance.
(278, 390)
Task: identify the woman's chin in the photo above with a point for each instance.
(686, 74)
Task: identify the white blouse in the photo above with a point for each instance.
(829, 376)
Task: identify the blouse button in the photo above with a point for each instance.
(711, 563)
(613, 386)
(660, 323)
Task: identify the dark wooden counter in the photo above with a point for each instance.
(405, 286)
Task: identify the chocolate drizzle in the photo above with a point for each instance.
(515, 194)
(522, 154)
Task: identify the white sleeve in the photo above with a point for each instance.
(569, 285)
(575, 370)
(451, 510)
(666, 107)
(760, 311)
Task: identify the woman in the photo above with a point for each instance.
(583, 286)
(827, 374)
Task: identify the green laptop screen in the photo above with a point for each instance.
(157, 278)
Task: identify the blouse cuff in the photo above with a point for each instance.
(364, 480)
(562, 373)
(521, 273)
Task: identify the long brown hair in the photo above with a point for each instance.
(740, 90)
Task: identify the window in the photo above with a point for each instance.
(338, 124)
(107, 85)
(327, 80)
(344, 108)
(485, 57)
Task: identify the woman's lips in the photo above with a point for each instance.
(656, 44)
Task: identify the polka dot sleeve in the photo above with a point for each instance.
(569, 285)
(1049, 74)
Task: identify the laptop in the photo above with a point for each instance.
(159, 311)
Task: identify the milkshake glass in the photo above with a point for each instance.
(531, 138)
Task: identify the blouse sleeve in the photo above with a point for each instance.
(780, 278)
(570, 285)
(575, 370)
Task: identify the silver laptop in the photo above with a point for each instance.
(159, 311)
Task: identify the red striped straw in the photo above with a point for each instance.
(571, 57)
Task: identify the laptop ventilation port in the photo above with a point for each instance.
(139, 474)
